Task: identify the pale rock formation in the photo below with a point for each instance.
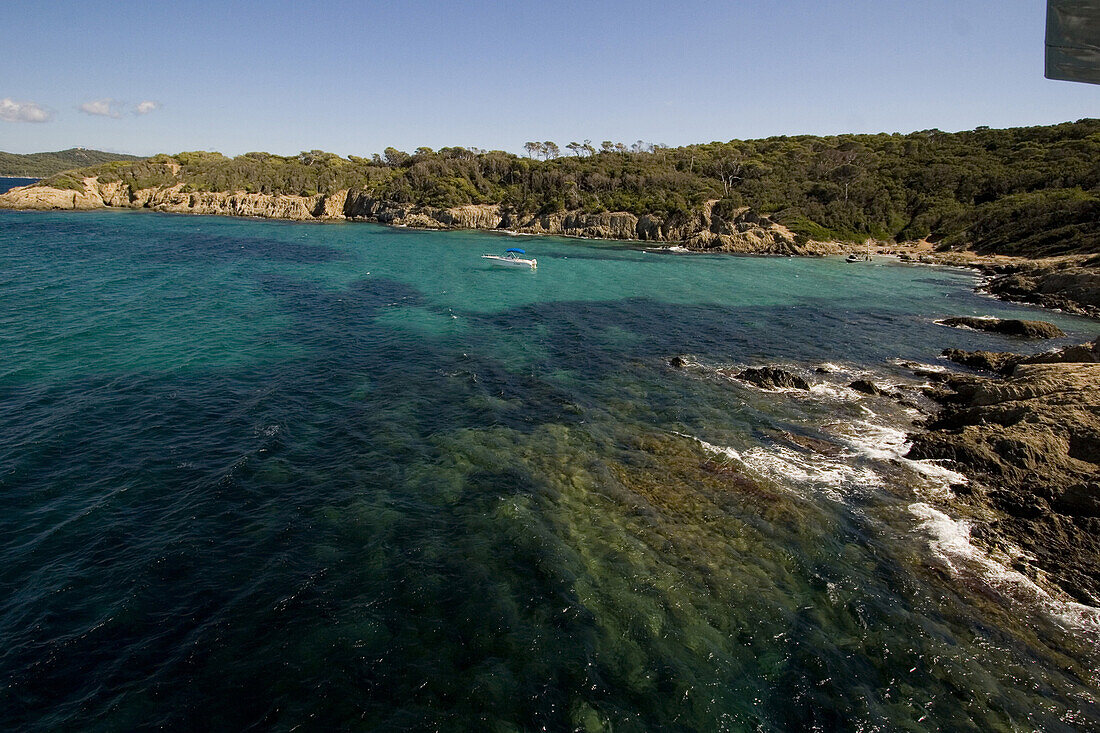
(745, 232)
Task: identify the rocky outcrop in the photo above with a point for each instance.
(742, 231)
(46, 199)
(1032, 444)
(1069, 284)
(865, 386)
(773, 378)
(1003, 362)
(999, 362)
(1007, 327)
(748, 232)
(177, 201)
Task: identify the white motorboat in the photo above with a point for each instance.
(511, 258)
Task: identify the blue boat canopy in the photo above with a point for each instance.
(517, 251)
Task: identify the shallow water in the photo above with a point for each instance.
(270, 474)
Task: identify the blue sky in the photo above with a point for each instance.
(355, 77)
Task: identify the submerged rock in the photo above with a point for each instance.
(1007, 327)
(865, 386)
(773, 378)
(810, 443)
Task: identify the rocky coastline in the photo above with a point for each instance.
(1025, 434)
(1069, 283)
(1029, 440)
(744, 231)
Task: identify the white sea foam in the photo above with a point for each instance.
(716, 449)
(832, 391)
(873, 449)
(938, 368)
(832, 477)
(674, 249)
(949, 540)
(869, 443)
(874, 439)
(877, 441)
(940, 322)
(838, 479)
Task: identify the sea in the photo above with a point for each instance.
(9, 182)
(261, 475)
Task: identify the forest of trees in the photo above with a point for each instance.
(1033, 189)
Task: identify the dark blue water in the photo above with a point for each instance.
(8, 183)
(266, 475)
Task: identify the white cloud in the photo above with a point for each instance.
(144, 108)
(12, 111)
(106, 107)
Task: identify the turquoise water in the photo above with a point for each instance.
(265, 475)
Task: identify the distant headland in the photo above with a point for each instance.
(41, 165)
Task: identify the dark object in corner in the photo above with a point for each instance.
(1073, 40)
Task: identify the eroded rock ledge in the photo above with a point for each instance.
(1070, 284)
(1031, 442)
(745, 231)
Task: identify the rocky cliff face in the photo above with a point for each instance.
(44, 199)
(745, 231)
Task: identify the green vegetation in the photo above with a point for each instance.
(1030, 189)
(40, 165)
